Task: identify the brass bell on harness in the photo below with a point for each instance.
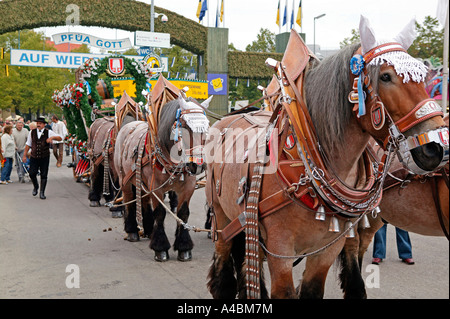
(351, 230)
(334, 225)
(320, 214)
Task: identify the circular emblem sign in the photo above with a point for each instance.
(154, 62)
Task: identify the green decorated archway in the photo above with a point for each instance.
(130, 15)
(127, 15)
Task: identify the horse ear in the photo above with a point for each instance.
(407, 36)
(183, 103)
(205, 103)
(368, 40)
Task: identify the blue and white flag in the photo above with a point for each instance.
(203, 10)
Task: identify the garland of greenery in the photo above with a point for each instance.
(93, 68)
(69, 120)
(70, 100)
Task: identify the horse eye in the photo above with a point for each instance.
(385, 77)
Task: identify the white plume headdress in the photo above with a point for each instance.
(197, 121)
(404, 64)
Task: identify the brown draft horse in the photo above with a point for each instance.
(292, 229)
(101, 142)
(168, 163)
(417, 204)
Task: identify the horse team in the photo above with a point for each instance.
(271, 192)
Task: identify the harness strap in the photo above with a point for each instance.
(423, 111)
(437, 203)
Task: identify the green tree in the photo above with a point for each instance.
(428, 43)
(265, 42)
(354, 38)
(30, 89)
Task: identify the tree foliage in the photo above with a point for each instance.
(29, 89)
(428, 43)
(265, 42)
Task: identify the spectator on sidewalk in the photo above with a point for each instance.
(58, 146)
(20, 135)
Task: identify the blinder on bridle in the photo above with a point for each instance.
(424, 110)
(195, 119)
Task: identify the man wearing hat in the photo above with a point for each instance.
(39, 141)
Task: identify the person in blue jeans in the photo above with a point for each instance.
(8, 149)
(404, 247)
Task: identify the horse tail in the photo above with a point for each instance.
(352, 283)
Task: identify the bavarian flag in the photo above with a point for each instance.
(199, 8)
(299, 14)
(278, 13)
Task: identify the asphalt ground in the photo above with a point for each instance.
(60, 248)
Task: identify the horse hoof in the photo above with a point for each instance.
(185, 255)
(161, 256)
(94, 203)
(117, 214)
(133, 237)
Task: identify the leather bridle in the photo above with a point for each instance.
(380, 116)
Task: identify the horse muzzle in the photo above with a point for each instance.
(425, 153)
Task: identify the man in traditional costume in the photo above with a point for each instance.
(38, 141)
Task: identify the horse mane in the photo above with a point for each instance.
(166, 119)
(127, 119)
(327, 85)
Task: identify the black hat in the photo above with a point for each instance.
(41, 119)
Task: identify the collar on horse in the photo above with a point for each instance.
(314, 176)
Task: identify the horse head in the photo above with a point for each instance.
(391, 101)
(189, 134)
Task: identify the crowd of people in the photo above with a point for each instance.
(27, 145)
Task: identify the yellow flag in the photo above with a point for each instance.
(221, 11)
(7, 69)
(199, 8)
(278, 13)
(299, 14)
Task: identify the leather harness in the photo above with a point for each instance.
(305, 176)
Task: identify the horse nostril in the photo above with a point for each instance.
(428, 156)
(431, 149)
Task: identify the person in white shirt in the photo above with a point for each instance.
(8, 148)
(58, 146)
(20, 135)
(38, 141)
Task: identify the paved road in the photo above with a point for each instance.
(39, 239)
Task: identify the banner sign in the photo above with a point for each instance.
(218, 84)
(81, 38)
(152, 39)
(197, 89)
(54, 59)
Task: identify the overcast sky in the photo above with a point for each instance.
(244, 19)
